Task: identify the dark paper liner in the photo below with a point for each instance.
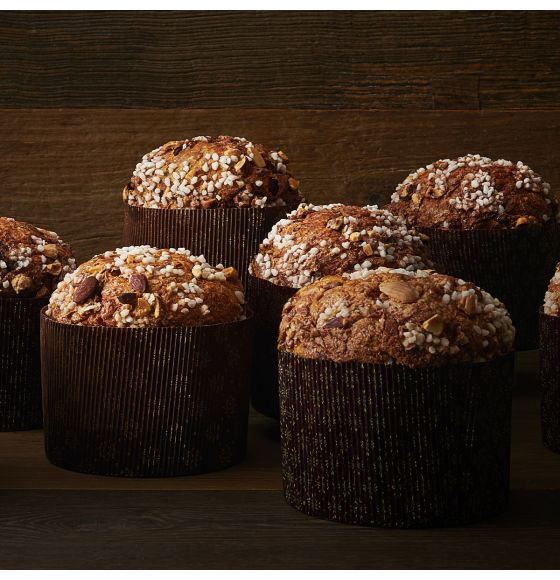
(386, 445)
(150, 402)
(267, 301)
(550, 381)
(20, 365)
(513, 265)
(230, 236)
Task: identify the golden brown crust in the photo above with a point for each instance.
(552, 296)
(141, 286)
(394, 316)
(474, 192)
(212, 172)
(322, 240)
(32, 260)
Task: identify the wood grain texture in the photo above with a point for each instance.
(65, 169)
(254, 530)
(382, 60)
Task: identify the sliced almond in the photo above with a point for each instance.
(400, 291)
(51, 251)
(294, 183)
(416, 199)
(434, 325)
(232, 153)
(257, 158)
(157, 308)
(21, 282)
(239, 165)
(469, 304)
(368, 250)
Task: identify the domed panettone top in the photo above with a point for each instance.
(143, 286)
(474, 192)
(552, 296)
(212, 172)
(32, 260)
(319, 240)
(417, 319)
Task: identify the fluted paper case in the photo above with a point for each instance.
(267, 301)
(145, 402)
(230, 236)
(514, 265)
(550, 381)
(386, 445)
(20, 368)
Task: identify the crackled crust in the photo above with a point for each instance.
(474, 192)
(141, 286)
(417, 319)
(32, 260)
(552, 296)
(212, 172)
(320, 240)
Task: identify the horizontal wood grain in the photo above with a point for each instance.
(65, 169)
(259, 59)
(169, 530)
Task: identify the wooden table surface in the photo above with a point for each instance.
(237, 518)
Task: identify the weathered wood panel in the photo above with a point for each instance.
(396, 60)
(65, 169)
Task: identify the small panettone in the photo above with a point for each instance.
(320, 240)
(32, 260)
(552, 296)
(415, 319)
(142, 286)
(474, 192)
(212, 172)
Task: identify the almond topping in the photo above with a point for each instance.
(469, 304)
(21, 282)
(335, 224)
(230, 273)
(143, 308)
(257, 158)
(54, 269)
(50, 250)
(368, 250)
(239, 165)
(354, 236)
(400, 291)
(294, 183)
(434, 325)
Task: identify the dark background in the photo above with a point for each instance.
(356, 99)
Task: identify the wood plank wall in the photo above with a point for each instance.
(357, 99)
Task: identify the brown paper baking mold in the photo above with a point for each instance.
(151, 402)
(20, 368)
(230, 236)
(550, 381)
(267, 301)
(512, 265)
(386, 445)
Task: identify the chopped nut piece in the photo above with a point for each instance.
(54, 269)
(50, 250)
(257, 157)
(294, 183)
(335, 224)
(230, 273)
(143, 308)
(21, 282)
(368, 250)
(469, 304)
(354, 236)
(239, 165)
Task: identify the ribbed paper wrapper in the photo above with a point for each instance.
(514, 265)
(386, 445)
(267, 301)
(550, 381)
(20, 367)
(230, 236)
(146, 402)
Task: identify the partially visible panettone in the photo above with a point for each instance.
(394, 316)
(552, 296)
(474, 192)
(32, 260)
(212, 172)
(142, 286)
(320, 240)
